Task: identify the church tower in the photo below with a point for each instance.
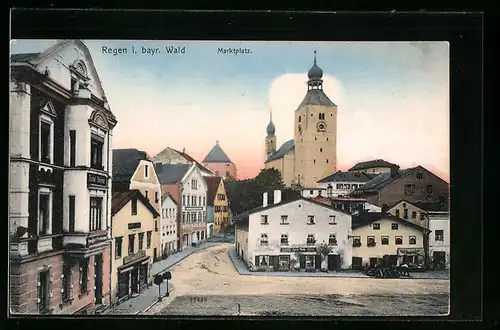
(270, 138)
(315, 133)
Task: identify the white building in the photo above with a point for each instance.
(439, 239)
(169, 211)
(341, 183)
(287, 235)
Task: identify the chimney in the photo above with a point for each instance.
(277, 196)
(264, 199)
(183, 150)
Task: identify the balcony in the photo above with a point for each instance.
(36, 244)
(82, 240)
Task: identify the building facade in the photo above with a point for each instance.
(61, 130)
(410, 212)
(186, 184)
(169, 214)
(219, 163)
(415, 184)
(285, 236)
(380, 235)
(173, 156)
(134, 170)
(217, 203)
(341, 184)
(133, 251)
(312, 154)
(439, 239)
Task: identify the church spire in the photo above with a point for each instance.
(315, 74)
(270, 130)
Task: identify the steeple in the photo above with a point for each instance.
(315, 74)
(270, 130)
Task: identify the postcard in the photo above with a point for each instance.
(218, 178)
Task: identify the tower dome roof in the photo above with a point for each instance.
(315, 72)
(270, 128)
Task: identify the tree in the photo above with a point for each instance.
(324, 250)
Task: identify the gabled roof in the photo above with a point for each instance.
(24, 57)
(316, 97)
(347, 176)
(172, 173)
(366, 218)
(186, 157)
(213, 183)
(245, 215)
(125, 162)
(217, 155)
(425, 206)
(382, 180)
(282, 151)
(370, 164)
(120, 199)
(167, 195)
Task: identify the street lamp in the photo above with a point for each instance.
(158, 280)
(167, 276)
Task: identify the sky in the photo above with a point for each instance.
(392, 97)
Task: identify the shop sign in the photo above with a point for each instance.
(134, 257)
(96, 179)
(298, 249)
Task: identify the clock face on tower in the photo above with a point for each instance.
(300, 130)
(321, 126)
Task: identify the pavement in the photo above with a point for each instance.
(149, 297)
(242, 269)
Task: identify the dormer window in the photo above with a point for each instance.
(146, 171)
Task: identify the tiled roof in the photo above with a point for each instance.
(120, 199)
(171, 173)
(433, 207)
(165, 196)
(125, 162)
(25, 57)
(366, 218)
(217, 155)
(382, 180)
(282, 151)
(192, 160)
(370, 164)
(316, 97)
(213, 183)
(347, 176)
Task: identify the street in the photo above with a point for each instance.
(210, 275)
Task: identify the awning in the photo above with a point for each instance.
(411, 251)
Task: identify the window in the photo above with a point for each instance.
(347, 186)
(339, 185)
(439, 235)
(199, 201)
(413, 214)
(156, 225)
(332, 220)
(332, 239)
(399, 240)
(327, 159)
(429, 189)
(96, 144)
(422, 216)
(404, 204)
(134, 206)
(354, 186)
(204, 200)
(95, 213)
(141, 241)
(284, 239)
(263, 220)
(310, 219)
(370, 241)
(300, 119)
(71, 214)
(419, 176)
(356, 241)
(311, 192)
(194, 184)
(394, 226)
(376, 226)
(405, 213)
(310, 239)
(44, 290)
(72, 147)
(193, 200)
(263, 239)
(284, 219)
(413, 240)
(66, 283)
(146, 193)
(156, 197)
(320, 149)
(409, 189)
(183, 199)
(385, 240)
(45, 142)
(148, 239)
(131, 241)
(84, 275)
(44, 214)
(146, 171)
(314, 161)
(397, 213)
(118, 247)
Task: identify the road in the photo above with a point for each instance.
(210, 274)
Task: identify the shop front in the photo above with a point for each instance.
(411, 256)
(133, 275)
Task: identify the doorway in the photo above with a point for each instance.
(134, 273)
(373, 261)
(439, 259)
(155, 254)
(333, 262)
(123, 284)
(357, 262)
(98, 279)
